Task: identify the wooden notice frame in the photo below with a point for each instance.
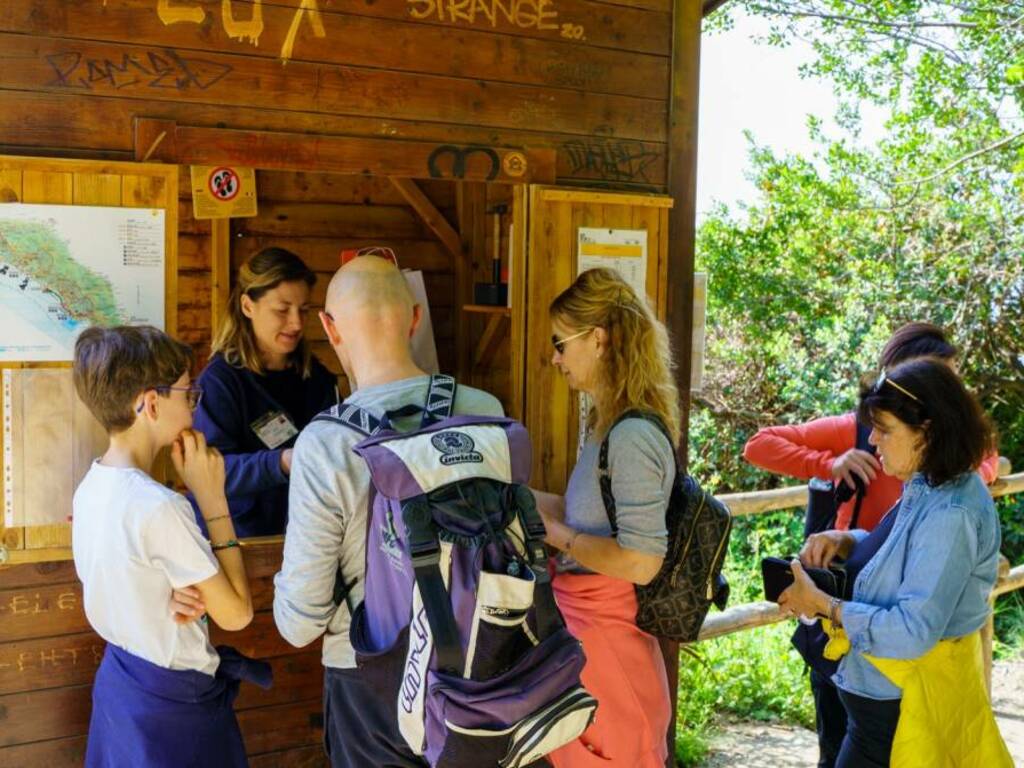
(53, 181)
(555, 217)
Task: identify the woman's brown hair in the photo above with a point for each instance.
(234, 338)
(637, 370)
(926, 395)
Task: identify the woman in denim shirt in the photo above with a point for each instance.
(935, 555)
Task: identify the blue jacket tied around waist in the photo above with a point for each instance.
(146, 715)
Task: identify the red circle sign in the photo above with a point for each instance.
(224, 184)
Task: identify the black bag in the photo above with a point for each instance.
(673, 605)
(777, 576)
(824, 497)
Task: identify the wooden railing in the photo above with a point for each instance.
(760, 614)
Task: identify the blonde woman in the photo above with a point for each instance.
(262, 386)
(609, 345)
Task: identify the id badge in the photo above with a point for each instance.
(274, 429)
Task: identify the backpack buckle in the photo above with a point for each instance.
(424, 554)
(424, 549)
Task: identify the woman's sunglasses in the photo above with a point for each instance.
(559, 344)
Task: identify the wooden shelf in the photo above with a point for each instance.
(486, 309)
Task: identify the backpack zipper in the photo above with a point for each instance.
(689, 540)
(711, 577)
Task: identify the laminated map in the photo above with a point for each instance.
(64, 268)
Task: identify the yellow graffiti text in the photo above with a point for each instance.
(247, 29)
(525, 14)
(242, 30)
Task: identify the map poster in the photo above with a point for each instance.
(64, 268)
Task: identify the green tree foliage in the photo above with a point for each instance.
(843, 247)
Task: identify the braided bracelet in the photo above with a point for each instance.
(226, 545)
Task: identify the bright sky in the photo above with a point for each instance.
(750, 85)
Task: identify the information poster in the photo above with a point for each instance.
(64, 268)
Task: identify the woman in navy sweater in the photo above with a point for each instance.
(261, 387)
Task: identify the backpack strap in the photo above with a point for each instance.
(604, 477)
(440, 399)
(863, 432)
(425, 552)
(549, 619)
(355, 418)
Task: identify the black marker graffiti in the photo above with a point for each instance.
(611, 161)
(163, 69)
(460, 155)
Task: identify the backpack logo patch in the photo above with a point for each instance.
(456, 448)
(389, 545)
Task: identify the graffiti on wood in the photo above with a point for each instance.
(179, 12)
(249, 25)
(524, 14)
(44, 659)
(160, 69)
(624, 161)
(456, 159)
(26, 604)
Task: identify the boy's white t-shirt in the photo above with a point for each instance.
(134, 541)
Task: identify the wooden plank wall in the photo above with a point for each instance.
(589, 78)
(316, 215)
(49, 655)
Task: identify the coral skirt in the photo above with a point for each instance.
(625, 672)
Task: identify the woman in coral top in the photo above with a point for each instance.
(826, 448)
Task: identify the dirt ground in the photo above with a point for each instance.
(764, 745)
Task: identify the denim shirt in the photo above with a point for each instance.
(929, 581)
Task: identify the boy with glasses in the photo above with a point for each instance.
(162, 694)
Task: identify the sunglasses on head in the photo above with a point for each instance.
(382, 251)
(559, 344)
(883, 379)
(193, 395)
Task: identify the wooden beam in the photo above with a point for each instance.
(605, 198)
(220, 271)
(432, 217)
(471, 202)
(682, 188)
(710, 6)
(163, 140)
(489, 341)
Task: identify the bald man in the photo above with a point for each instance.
(369, 319)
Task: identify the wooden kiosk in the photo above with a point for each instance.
(446, 129)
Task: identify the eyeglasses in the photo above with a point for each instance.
(193, 395)
(559, 344)
(884, 379)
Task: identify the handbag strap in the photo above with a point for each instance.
(604, 477)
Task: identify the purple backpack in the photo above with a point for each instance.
(459, 625)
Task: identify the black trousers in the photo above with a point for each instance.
(871, 726)
(361, 726)
(829, 719)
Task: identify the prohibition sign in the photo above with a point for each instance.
(224, 184)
